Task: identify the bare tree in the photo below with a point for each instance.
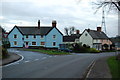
(69, 30)
(109, 4)
(72, 30)
(66, 31)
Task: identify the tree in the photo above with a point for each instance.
(66, 31)
(72, 30)
(69, 31)
(110, 4)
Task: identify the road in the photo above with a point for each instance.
(38, 65)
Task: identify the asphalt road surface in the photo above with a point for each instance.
(38, 65)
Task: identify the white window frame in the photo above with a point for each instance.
(53, 43)
(26, 36)
(14, 36)
(42, 41)
(53, 36)
(14, 43)
(35, 43)
(35, 37)
(41, 37)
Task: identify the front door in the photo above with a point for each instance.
(26, 43)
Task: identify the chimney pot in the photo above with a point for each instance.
(99, 29)
(38, 24)
(77, 31)
(54, 23)
(88, 30)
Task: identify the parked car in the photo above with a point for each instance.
(66, 50)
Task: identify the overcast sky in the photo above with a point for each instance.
(79, 14)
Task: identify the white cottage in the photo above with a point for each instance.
(94, 38)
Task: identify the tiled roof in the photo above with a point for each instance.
(34, 30)
(71, 38)
(97, 35)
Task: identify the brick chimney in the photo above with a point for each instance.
(99, 29)
(77, 31)
(38, 24)
(88, 29)
(54, 23)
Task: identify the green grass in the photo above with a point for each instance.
(50, 52)
(114, 66)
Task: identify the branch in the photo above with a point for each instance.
(116, 5)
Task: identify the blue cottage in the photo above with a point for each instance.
(45, 36)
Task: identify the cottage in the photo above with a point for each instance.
(27, 36)
(116, 42)
(95, 38)
(73, 38)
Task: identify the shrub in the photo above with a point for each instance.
(93, 50)
(6, 44)
(4, 53)
(118, 57)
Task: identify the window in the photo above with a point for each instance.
(34, 36)
(86, 34)
(26, 43)
(41, 36)
(42, 43)
(54, 36)
(26, 36)
(54, 43)
(15, 43)
(15, 36)
(33, 43)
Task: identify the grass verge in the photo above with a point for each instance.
(50, 52)
(114, 66)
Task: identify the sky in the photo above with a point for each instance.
(67, 13)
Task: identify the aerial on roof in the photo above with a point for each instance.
(34, 30)
(97, 35)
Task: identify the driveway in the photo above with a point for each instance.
(38, 65)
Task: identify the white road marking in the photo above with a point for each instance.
(50, 56)
(92, 65)
(27, 61)
(14, 62)
(36, 59)
(17, 51)
(44, 57)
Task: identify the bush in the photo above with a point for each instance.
(6, 44)
(93, 50)
(4, 53)
(118, 57)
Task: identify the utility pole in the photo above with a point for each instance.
(103, 25)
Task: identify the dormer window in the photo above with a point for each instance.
(54, 36)
(41, 36)
(34, 36)
(26, 36)
(15, 35)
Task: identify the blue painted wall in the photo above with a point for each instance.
(31, 39)
(50, 39)
(18, 39)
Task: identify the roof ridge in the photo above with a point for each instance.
(34, 26)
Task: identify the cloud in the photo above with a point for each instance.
(66, 12)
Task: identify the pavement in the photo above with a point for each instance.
(99, 69)
(12, 58)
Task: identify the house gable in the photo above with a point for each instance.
(86, 38)
(14, 28)
(19, 39)
(58, 38)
